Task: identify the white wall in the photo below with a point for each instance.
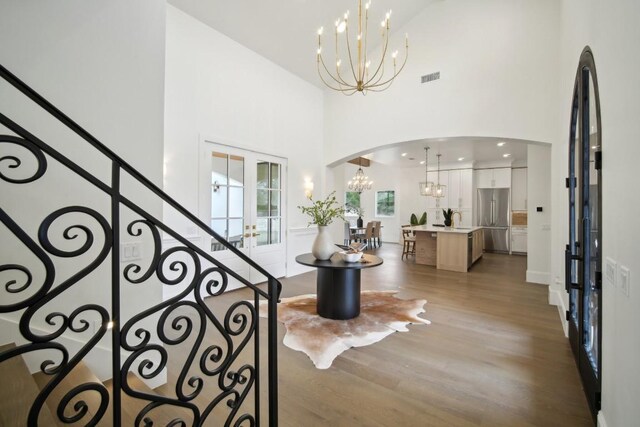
(538, 223)
(101, 63)
(611, 29)
(218, 90)
(486, 52)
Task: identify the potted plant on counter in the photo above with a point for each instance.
(415, 221)
(323, 213)
(448, 217)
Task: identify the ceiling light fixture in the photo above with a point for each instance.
(359, 182)
(460, 159)
(439, 189)
(506, 155)
(426, 187)
(357, 77)
(403, 154)
(422, 162)
(501, 144)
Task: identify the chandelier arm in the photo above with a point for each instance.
(341, 81)
(321, 61)
(338, 89)
(384, 53)
(394, 74)
(346, 36)
(366, 36)
(372, 83)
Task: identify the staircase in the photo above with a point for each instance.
(90, 337)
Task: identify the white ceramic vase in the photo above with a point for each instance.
(323, 246)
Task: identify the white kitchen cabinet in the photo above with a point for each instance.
(493, 178)
(519, 240)
(519, 189)
(460, 189)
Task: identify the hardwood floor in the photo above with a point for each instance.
(494, 355)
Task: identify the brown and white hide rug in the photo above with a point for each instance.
(381, 314)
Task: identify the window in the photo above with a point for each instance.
(351, 202)
(268, 196)
(385, 203)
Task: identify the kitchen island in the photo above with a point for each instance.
(446, 248)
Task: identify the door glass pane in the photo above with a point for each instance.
(274, 203)
(220, 227)
(218, 168)
(236, 202)
(262, 228)
(263, 175)
(275, 175)
(236, 227)
(236, 170)
(274, 236)
(574, 196)
(262, 203)
(591, 235)
(218, 202)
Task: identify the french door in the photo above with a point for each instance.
(242, 198)
(583, 267)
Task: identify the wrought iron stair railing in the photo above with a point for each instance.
(210, 346)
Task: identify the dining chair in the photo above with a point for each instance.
(367, 237)
(349, 235)
(408, 242)
(377, 225)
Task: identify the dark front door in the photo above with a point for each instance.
(583, 253)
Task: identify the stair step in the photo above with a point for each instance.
(131, 406)
(17, 393)
(81, 374)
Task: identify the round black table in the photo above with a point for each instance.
(338, 284)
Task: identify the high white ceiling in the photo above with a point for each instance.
(477, 150)
(284, 31)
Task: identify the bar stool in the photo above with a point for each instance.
(409, 242)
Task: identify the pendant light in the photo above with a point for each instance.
(439, 188)
(426, 187)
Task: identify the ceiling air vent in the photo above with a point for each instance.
(430, 77)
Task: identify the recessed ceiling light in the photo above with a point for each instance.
(501, 143)
(403, 154)
(460, 159)
(593, 147)
(422, 162)
(506, 155)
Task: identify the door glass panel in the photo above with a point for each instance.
(236, 202)
(574, 162)
(274, 236)
(236, 225)
(262, 203)
(274, 203)
(236, 170)
(275, 176)
(591, 235)
(263, 175)
(218, 201)
(218, 168)
(262, 228)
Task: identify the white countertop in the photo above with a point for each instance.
(432, 229)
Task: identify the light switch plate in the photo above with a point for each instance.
(625, 280)
(610, 273)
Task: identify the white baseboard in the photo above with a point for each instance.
(555, 298)
(541, 277)
(601, 421)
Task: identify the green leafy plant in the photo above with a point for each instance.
(323, 212)
(356, 210)
(415, 221)
(448, 216)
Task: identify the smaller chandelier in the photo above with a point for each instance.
(426, 187)
(358, 74)
(359, 182)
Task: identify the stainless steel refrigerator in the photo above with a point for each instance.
(493, 215)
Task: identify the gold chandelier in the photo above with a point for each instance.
(359, 78)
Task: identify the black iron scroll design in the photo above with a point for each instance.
(205, 349)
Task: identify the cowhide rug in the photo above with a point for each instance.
(381, 314)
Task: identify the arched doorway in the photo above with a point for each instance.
(584, 251)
